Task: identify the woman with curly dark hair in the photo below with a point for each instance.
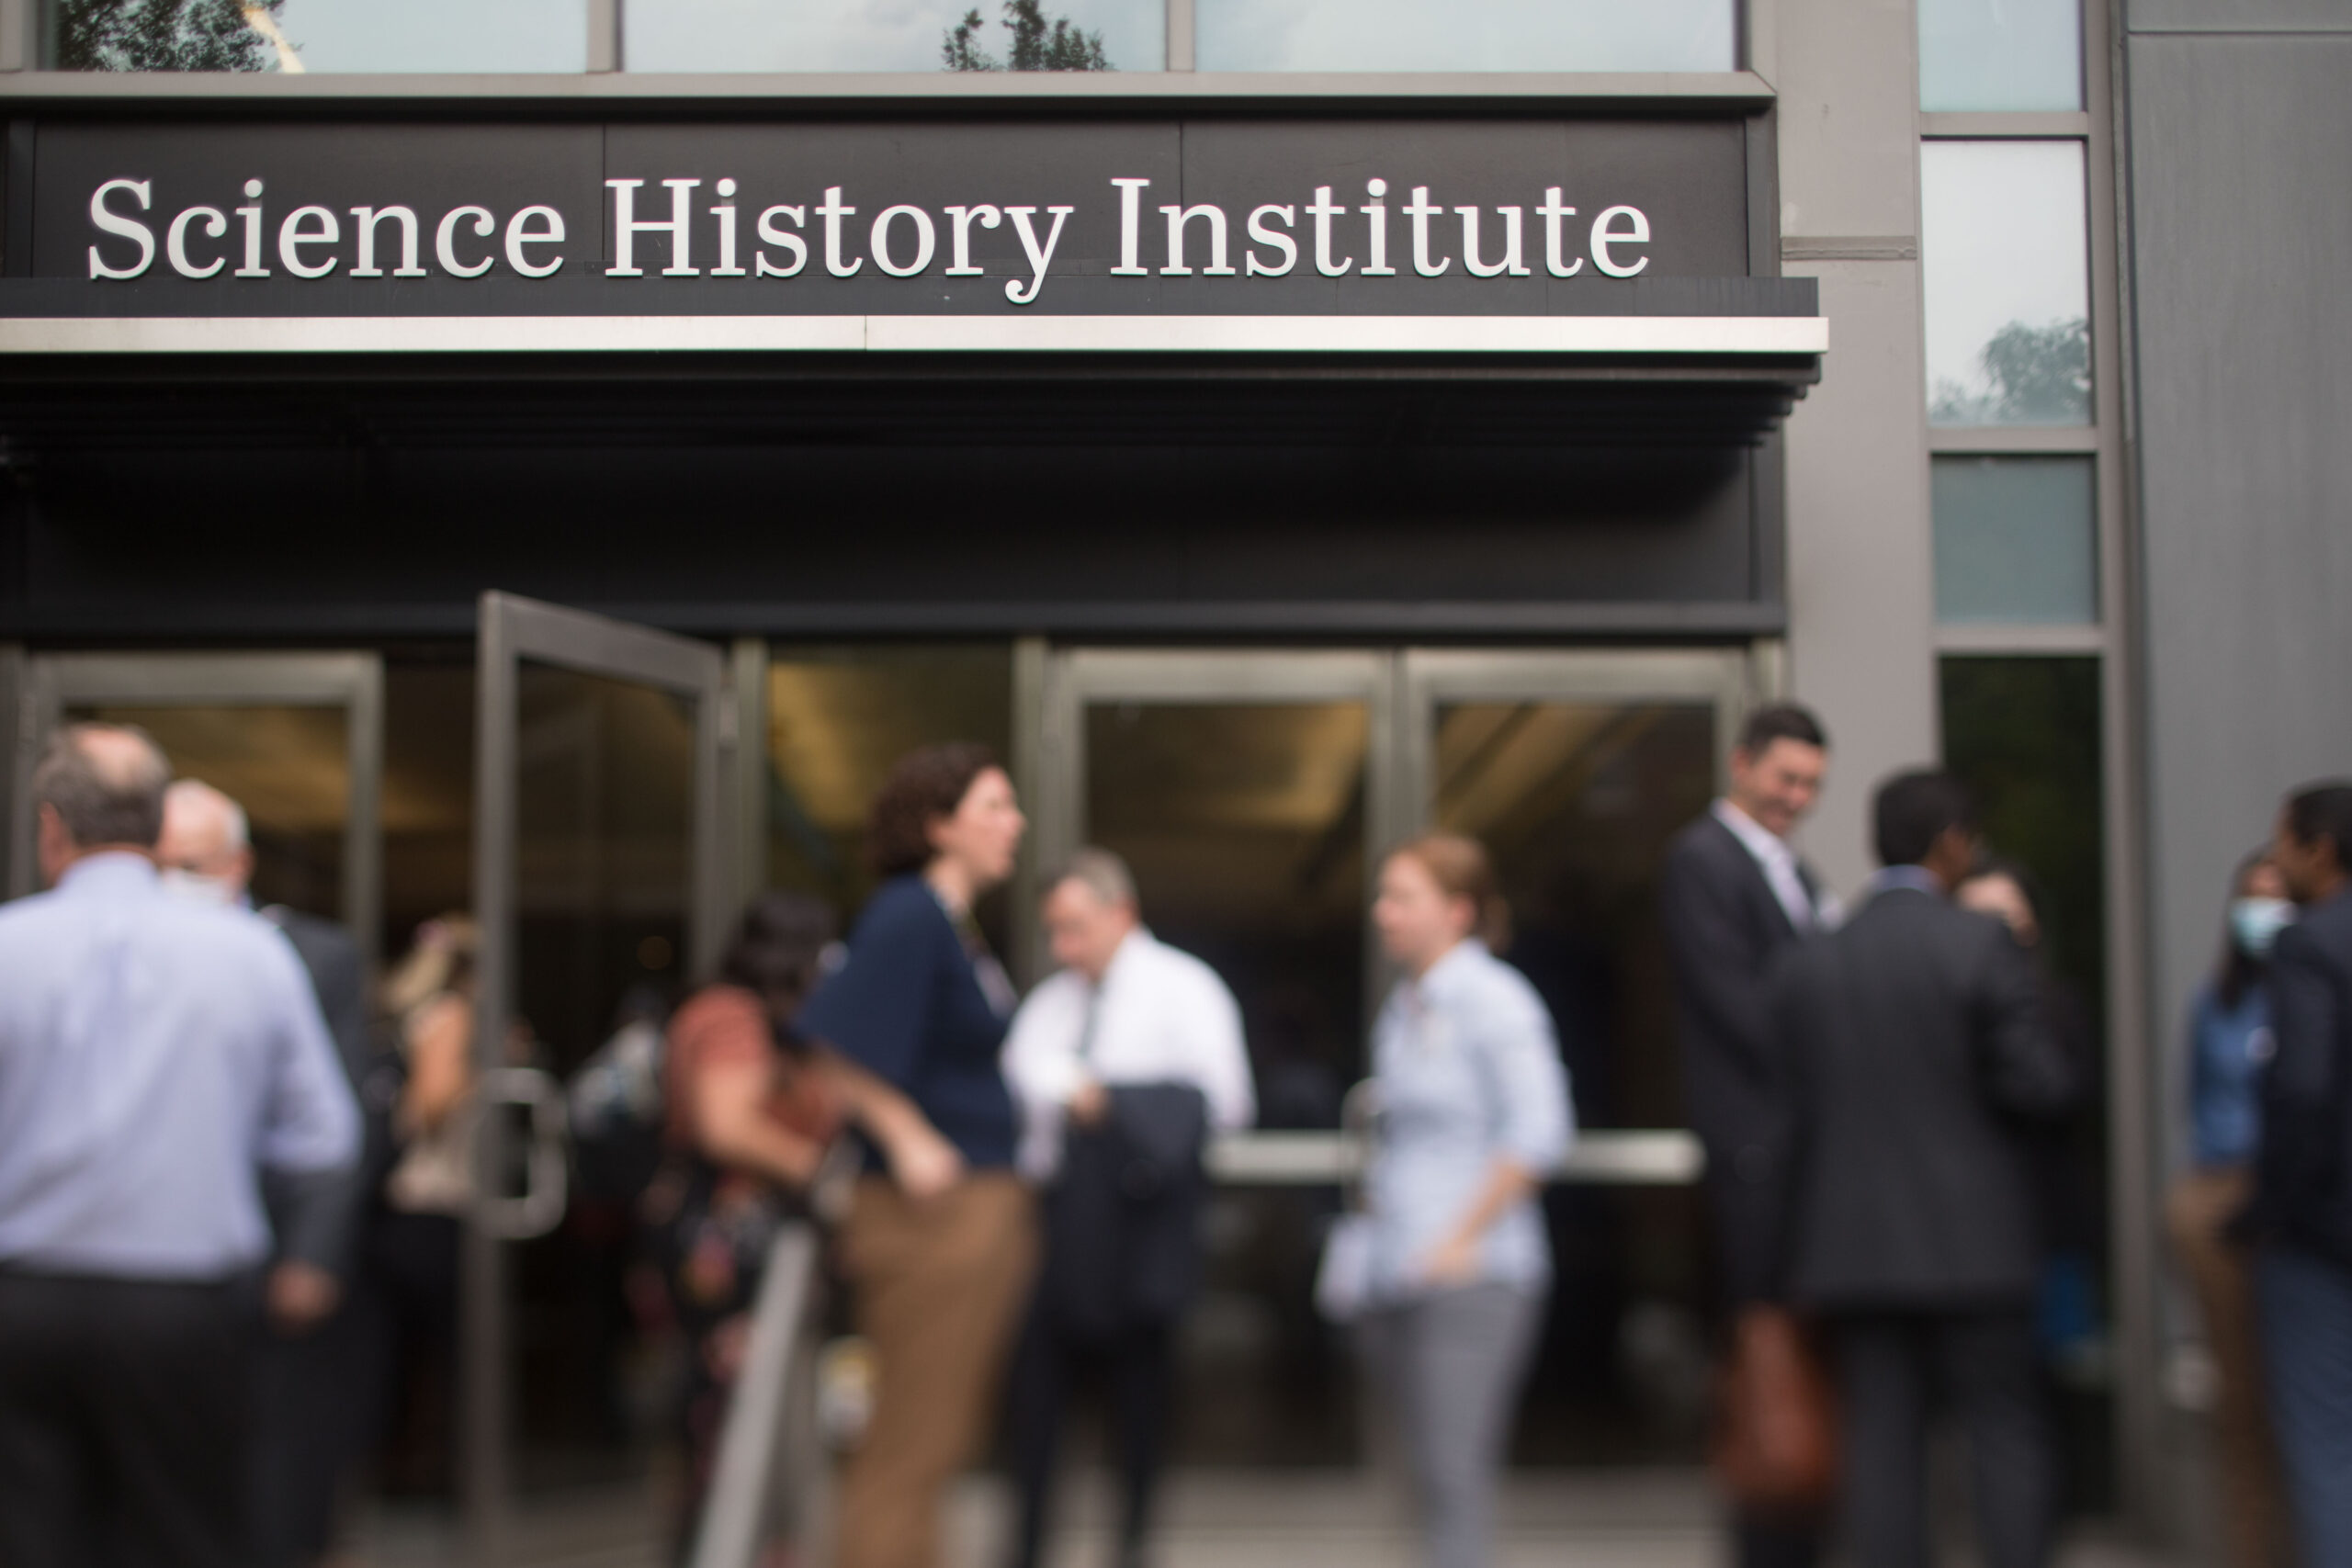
(940, 1251)
(751, 1114)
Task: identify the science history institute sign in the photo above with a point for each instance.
(1217, 235)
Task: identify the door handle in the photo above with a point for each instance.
(538, 1209)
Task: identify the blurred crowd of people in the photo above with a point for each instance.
(234, 1188)
(1892, 1102)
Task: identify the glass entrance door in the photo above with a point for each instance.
(1252, 792)
(1575, 770)
(600, 888)
(1247, 790)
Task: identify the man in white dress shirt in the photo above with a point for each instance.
(1130, 1043)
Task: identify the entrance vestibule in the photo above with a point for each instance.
(622, 789)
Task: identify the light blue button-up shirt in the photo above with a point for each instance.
(155, 1056)
(1469, 1072)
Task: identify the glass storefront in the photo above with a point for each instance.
(1252, 793)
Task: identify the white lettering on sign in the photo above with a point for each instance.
(124, 227)
(1039, 256)
(1606, 236)
(903, 240)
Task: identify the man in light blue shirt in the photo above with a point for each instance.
(156, 1056)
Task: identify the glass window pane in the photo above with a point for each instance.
(2024, 734)
(2002, 251)
(838, 718)
(1244, 825)
(429, 791)
(1474, 34)
(2000, 55)
(2016, 541)
(893, 34)
(289, 767)
(323, 36)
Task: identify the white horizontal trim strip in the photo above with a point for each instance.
(1357, 335)
(1049, 334)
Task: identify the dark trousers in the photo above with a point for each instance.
(405, 1388)
(124, 1411)
(1136, 1368)
(1744, 1222)
(2306, 1306)
(1896, 1371)
(311, 1417)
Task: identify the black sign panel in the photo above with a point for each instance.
(1209, 217)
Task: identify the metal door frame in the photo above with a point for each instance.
(1728, 680)
(1075, 677)
(354, 682)
(1403, 688)
(512, 630)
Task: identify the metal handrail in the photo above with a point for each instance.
(1666, 1158)
(768, 1450)
(762, 1480)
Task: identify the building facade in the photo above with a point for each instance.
(1277, 428)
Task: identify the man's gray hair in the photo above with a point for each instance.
(236, 831)
(1101, 874)
(105, 782)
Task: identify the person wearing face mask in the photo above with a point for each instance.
(2229, 1043)
(2301, 1214)
(1474, 1114)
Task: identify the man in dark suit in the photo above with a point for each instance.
(1915, 1051)
(2302, 1203)
(304, 1434)
(1733, 896)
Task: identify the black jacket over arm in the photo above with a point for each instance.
(317, 1216)
(2303, 1172)
(1724, 928)
(1917, 1050)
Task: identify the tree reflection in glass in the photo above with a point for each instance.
(322, 36)
(1036, 44)
(2005, 268)
(163, 35)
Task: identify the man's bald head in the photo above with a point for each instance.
(205, 834)
(105, 783)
